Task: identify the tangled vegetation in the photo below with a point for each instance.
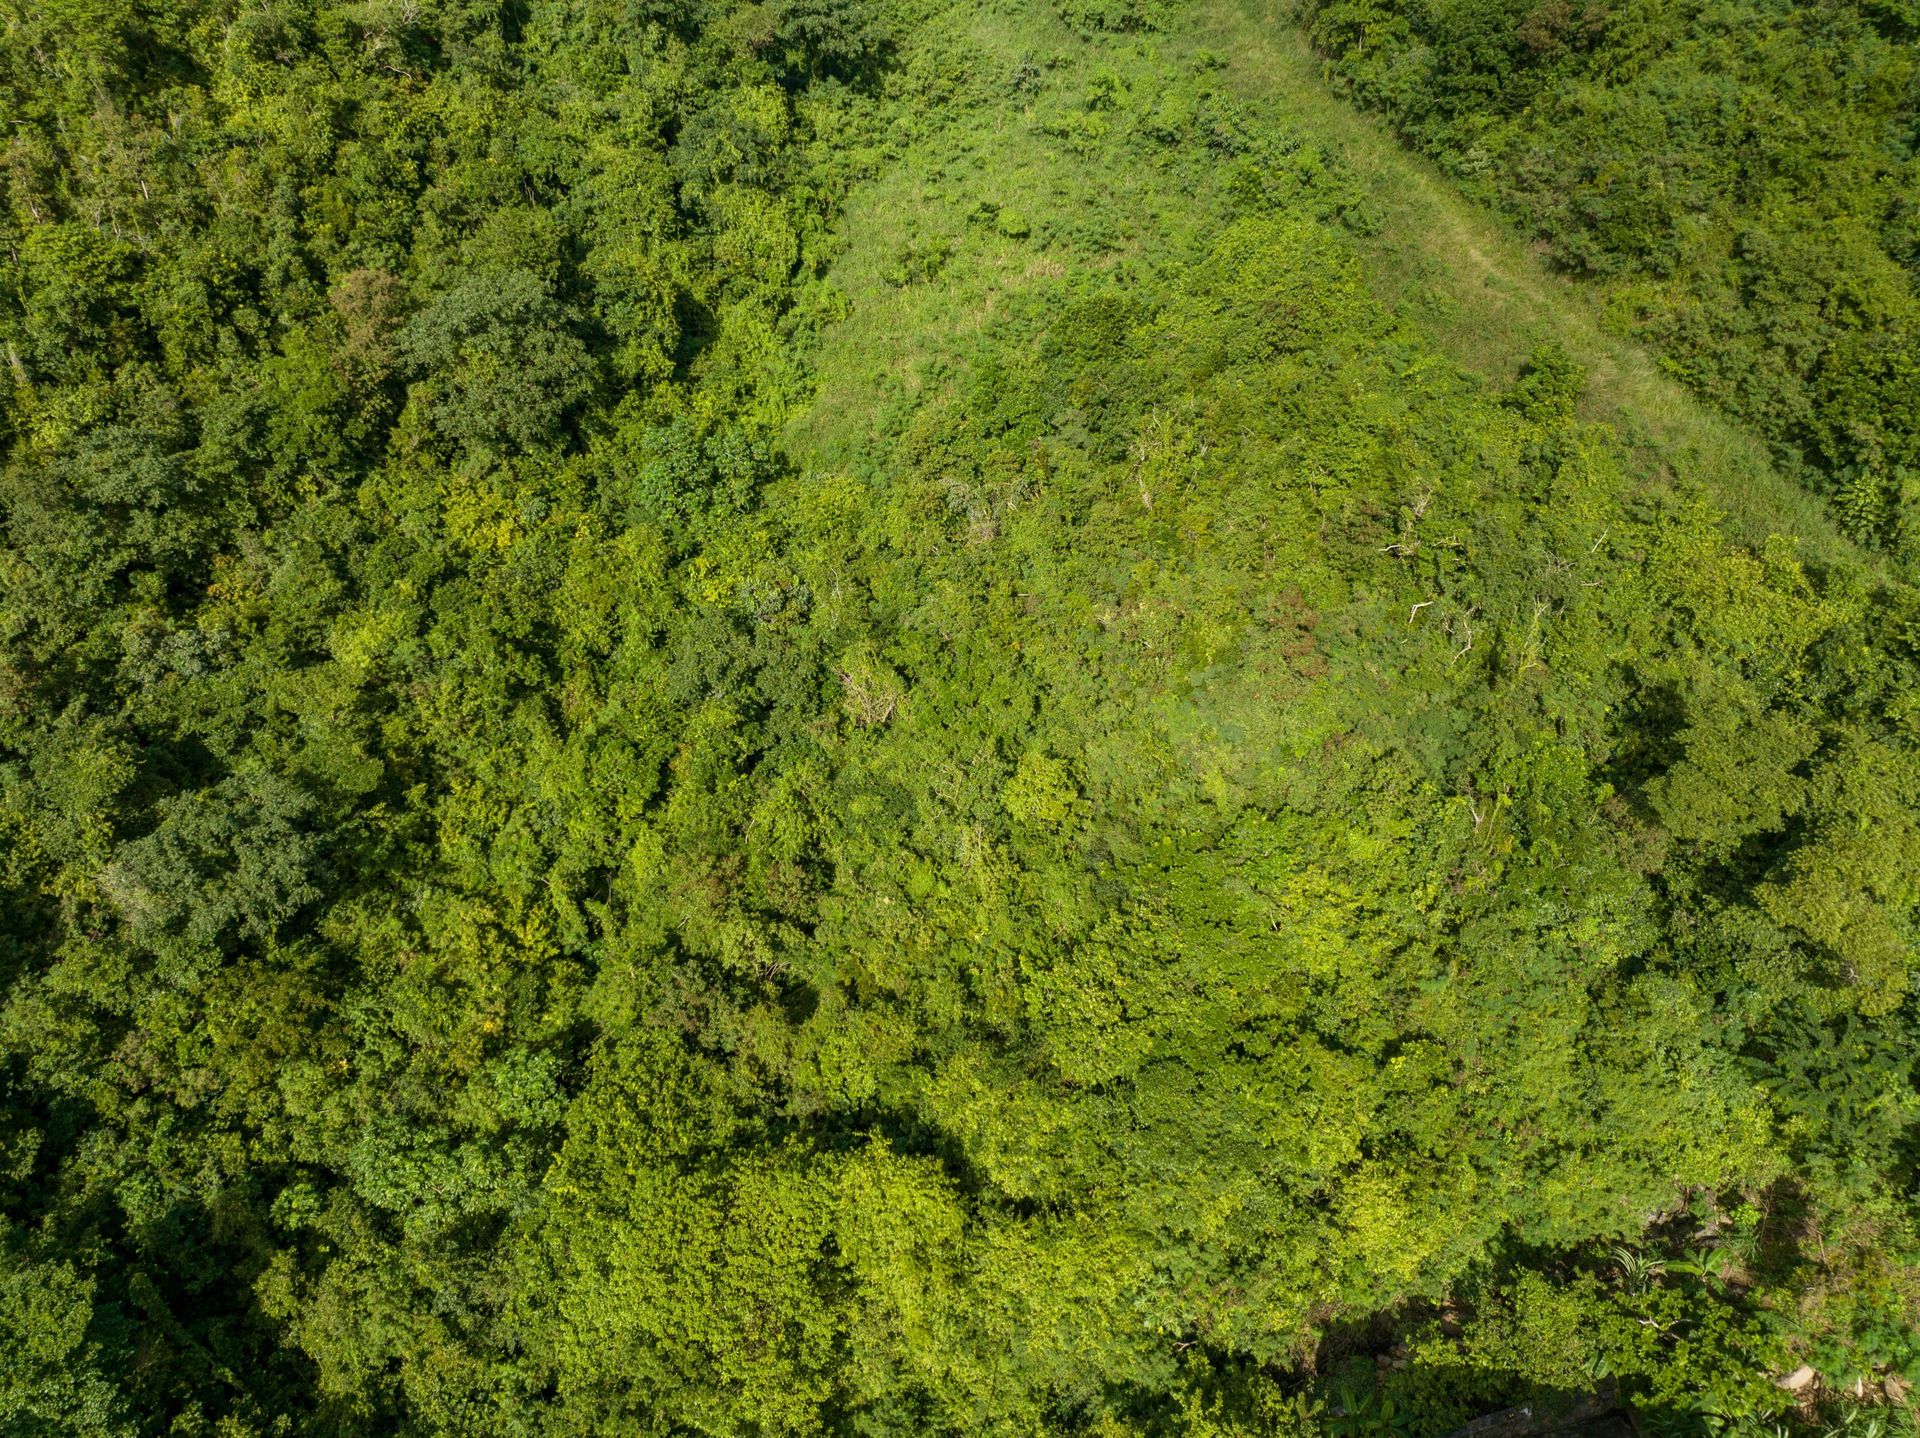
(801, 718)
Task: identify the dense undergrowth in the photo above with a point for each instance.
(798, 718)
(1738, 179)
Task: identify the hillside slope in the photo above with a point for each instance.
(1733, 181)
(1448, 266)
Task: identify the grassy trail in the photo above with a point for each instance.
(1450, 268)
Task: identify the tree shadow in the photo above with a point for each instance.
(1648, 732)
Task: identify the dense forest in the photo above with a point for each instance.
(834, 717)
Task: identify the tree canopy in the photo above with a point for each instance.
(750, 717)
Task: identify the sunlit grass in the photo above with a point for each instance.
(1026, 195)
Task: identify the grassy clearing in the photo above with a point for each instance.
(967, 221)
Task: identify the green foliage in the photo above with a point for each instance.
(799, 717)
(52, 1379)
(505, 370)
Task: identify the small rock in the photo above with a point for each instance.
(1796, 1380)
